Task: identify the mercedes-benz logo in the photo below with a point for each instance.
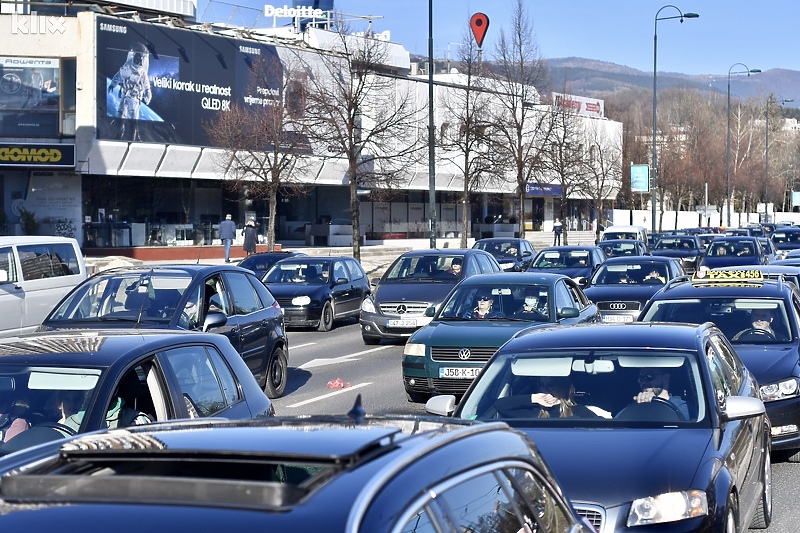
(463, 353)
(401, 309)
(617, 306)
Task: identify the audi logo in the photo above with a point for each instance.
(619, 306)
(401, 309)
(463, 353)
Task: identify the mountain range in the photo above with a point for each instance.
(600, 79)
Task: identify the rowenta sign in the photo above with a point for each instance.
(580, 104)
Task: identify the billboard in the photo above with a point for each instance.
(593, 107)
(164, 85)
(29, 96)
(640, 178)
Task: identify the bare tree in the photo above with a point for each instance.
(602, 166)
(520, 131)
(464, 132)
(263, 137)
(357, 110)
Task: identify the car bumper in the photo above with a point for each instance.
(301, 316)
(616, 519)
(422, 376)
(785, 418)
(377, 326)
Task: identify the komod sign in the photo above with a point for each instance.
(42, 155)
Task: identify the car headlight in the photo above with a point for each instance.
(368, 305)
(668, 507)
(780, 390)
(414, 349)
(301, 300)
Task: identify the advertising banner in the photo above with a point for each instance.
(640, 178)
(543, 189)
(593, 107)
(29, 96)
(165, 85)
(37, 155)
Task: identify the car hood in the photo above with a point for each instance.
(471, 332)
(769, 363)
(616, 293)
(573, 273)
(290, 290)
(715, 262)
(607, 466)
(432, 292)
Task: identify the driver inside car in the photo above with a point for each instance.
(761, 320)
(654, 384)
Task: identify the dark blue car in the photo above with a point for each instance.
(734, 251)
(576, 262)
(685, 248)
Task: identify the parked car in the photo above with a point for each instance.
(260, 262)
(623, 247)
(760, 318)
(318, 291)
(35, 273)
(447, 354)
(359, 474)
(577, 262)
(224, 299)
(676, 421)
(513, 254)
(61, 383)
(685, 248)
(415, 281)
(623, 285)
(734, 251)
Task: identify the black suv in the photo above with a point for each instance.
(413, 282)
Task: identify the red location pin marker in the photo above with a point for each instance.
(479, 24)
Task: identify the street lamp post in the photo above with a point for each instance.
(653, 181)
(747, 71)
(781, 101)
(431, 136)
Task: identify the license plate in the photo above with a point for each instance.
(459, 373)
(401, 323)
(617, 318)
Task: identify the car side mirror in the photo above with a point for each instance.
(526, 253)
(214, 319)
(738, 407)
(442, 405)
(375, 281)
(568, 312)
(430, 311)
(341, 281)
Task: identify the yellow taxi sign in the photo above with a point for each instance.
(721, 276)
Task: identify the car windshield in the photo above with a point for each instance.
(43, 395)
(313, 272)
(145, 296)
(620, 248)
(589, 387)
(506, 302)
(426, 268)
(670, 243)
(786, 237)
(609, 235)
(562, 259)
(736, 317)
(724, 248)
(627, 273)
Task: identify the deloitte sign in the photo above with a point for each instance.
(286, 11)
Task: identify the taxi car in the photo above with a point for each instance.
(728, 298)
(685, 248)
(447, 354)
(60, 383)
(622, 285)
(359, 474)
(648, 427)
(415, 281)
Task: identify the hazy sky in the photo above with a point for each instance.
(761, 35)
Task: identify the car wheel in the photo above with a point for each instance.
(326, 318)
(277, 374)
(371, 341)
(417, 397)
(763, 515)
(731, 515)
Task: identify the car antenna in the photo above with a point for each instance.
(357, 413)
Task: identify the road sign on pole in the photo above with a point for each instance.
(640, 178)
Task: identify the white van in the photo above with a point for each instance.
(35, 274)
(625, 232)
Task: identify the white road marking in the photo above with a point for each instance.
(330, 394)
(343, 359)
(303, 345)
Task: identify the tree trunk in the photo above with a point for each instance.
(355, 211)
(273, 211)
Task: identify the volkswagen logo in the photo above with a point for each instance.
(401, 309)
(617, 306)
(463, 353)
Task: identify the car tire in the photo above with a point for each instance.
(277, 374)
(731, 523)
(326, 317)
(371, 341)
(763, 516)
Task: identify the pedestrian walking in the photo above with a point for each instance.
(250, 237)
(227, 232)
(557, 229)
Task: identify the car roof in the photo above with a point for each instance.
(443, 252)
(595, 335)
(576, 247)
(8, 240)
(640, 259)
(536, 277)
(92, 347)
(171, 269)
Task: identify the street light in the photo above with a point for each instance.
(781, 101)
(747, 71)
(681, 16)
(431, 137)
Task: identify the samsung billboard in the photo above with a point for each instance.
(165, 85)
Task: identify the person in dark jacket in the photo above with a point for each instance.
(227, 232)
(250, 237)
